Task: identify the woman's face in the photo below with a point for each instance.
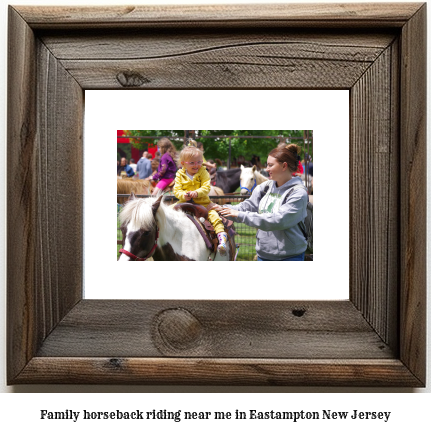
(275, 169)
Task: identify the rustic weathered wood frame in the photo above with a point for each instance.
(376, 338)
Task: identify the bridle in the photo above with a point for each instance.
(150, 254)
(248, 190)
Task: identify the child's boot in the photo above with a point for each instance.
(222, 239)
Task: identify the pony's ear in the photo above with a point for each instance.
(254, 168)
(242, 167)
(156, 204)
(132, 197)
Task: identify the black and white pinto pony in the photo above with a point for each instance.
(250, 178)
(153, 229)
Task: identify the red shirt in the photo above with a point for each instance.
(300, 169)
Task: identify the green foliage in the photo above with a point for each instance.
(219, 147)
(142, 143)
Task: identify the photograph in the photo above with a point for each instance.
(218, 195)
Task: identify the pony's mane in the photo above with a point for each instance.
(139, 212)
(260, 176)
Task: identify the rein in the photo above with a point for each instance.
(150, 254)
(250, 191)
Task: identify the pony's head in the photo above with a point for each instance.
(139, 228)
(247, 179)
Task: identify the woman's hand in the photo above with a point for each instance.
(228, 212)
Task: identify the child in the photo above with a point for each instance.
(193, 181)
(167, 167)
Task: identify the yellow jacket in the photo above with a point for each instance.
(201, 183)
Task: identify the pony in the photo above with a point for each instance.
(228, 180)
(153, 229)
(216, 191)
(129, 186)
(250, 178)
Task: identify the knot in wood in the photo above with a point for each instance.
(298, 312)
(178, 329)
(131, 79)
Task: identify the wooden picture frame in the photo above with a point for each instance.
(376, 338)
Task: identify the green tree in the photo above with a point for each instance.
(216, 142)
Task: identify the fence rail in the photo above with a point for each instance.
(246, 236)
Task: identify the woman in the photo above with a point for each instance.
(167, 167)
(276, 208)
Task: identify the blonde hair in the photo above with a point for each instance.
(188, 152)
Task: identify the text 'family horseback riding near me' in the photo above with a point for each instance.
(178, 415)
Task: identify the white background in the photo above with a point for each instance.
(22, 410)
(324, 112)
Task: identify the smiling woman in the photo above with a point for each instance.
(277, 208)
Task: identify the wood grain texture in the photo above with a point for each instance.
(21, 154)
(376, 338)
(300, 15)
(59, 185)
(413, 193)
(286, 62)
(235, 329)
(196, 371)
(45, 191)
(374, 196)
(146, 45)
(193, 59)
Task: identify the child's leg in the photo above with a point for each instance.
(216, 222)
(162, 184)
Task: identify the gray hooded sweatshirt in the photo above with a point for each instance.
(278, 235)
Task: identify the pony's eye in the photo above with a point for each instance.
(146, 233)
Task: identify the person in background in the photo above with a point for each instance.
(132, 165)
(243, 162)
(124, 170)
(207, 164)
(154, 165)
(308, 168)
(168, 165)
(143, 167)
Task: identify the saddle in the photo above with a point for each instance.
(198, 214)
